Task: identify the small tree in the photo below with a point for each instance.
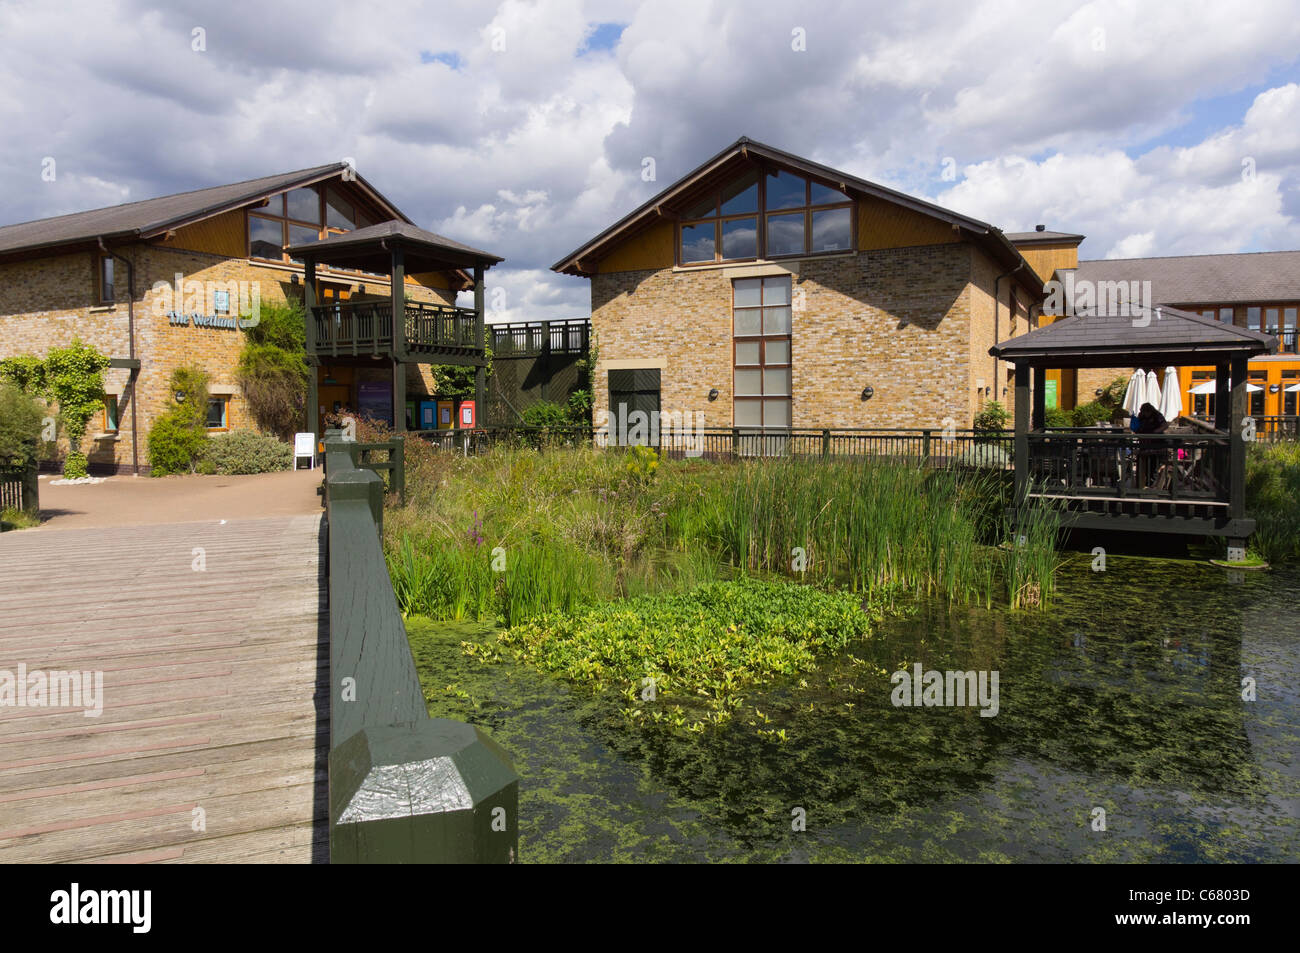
(73, 378)
(20, 426)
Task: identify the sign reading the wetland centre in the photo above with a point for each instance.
(225, 322)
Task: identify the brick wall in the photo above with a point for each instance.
(896, 319)
(47, 302)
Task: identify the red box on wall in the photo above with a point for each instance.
(465, 415)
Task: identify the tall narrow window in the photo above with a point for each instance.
(761, 327)
(1290, 397)
(1288, 330)
(107, 292)
(1260, 380)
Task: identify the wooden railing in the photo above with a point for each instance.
(1085, 463)
(935, 446)
(367, 327)
(394, 464)
(534, 337)
(19, 488)
(403, 788)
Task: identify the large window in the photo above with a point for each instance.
(761, 328)
(1260, 380)
(1202, 404)
(769, 216)
(301, 215)
(1290, 398)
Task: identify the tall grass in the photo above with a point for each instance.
(863, 524)
(575, 527)
(1273, 500)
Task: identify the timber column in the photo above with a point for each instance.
(1237, 455)
(480, 372)
(313, 362)
(397, 293)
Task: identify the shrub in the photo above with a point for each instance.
(273, 370)
(992, 417)
(546, 414)
(1056, 417)
(20, 425)
(1094, 412)
(245, 451)
(178, 438)
(174, 447)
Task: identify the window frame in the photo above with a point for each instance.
(105, 292)
(111, 424)
(224, 400)
(761, 216)
(763, 338)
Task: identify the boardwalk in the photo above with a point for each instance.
(213, 739)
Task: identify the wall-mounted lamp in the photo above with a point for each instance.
(361, 289)
(1274, 388)
(713, 393)
(1097, 392)
(180, 397)
(293, 279)
(867, 392)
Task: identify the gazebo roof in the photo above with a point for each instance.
(1144, 338)
(370, 249)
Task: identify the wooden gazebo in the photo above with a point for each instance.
(396, 330)
(1189, 481)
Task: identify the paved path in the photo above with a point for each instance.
(213, 738)
(132, 501)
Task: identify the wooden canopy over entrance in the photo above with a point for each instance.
(398, 330)
(1175, 483)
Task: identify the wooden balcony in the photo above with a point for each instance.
(431, 331)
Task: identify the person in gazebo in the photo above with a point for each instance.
(1150, 420)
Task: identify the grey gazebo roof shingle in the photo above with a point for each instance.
(1160, 335)
(366, 245)
(152, 216)
(1184, 280)
(1024, 238)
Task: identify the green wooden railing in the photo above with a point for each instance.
(19, 488)
(403, 788)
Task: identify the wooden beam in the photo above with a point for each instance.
(1039, 418)
(480, 373)
(1222, 400)
(1022, 431)
(1237, 443)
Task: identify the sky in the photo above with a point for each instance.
(524, 128)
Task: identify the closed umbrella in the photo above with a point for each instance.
(1135, 395)
(1171, 399)
(1152, 394)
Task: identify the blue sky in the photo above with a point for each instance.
(523, 126)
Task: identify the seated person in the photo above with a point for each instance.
(1150, 420)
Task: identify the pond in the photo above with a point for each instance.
(1125, 696)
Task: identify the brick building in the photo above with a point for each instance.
(767, 291)
(161, 283)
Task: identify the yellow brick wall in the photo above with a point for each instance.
(895, 319)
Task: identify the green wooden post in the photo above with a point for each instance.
(1237, 442)
(31, 489)
(398, 456)
(312, 423)
(1022, 431)
(480, 372)
(826, 442)
(925, 447)
(1222, 398)
(735, 442)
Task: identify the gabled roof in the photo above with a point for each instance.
(1044, 237)
(363, 247)
(736, 155)
(1142, 338)
(1263, 277)
(151, 217)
